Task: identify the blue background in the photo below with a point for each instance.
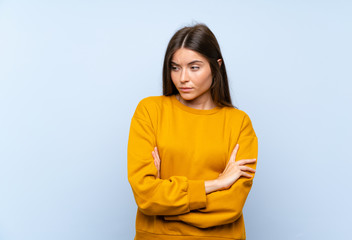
(72, 73)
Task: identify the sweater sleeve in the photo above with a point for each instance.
(226, 206)
(155, 196)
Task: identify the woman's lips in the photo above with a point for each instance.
(185, 89)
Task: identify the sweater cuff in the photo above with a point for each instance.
(171, 218)
(197, 195)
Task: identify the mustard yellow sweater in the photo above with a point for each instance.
(194, 145)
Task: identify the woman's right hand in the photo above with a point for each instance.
(232, 172)
(157, 160)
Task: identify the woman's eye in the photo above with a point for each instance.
(194, 67)
(174, 68)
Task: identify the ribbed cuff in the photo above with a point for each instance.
(197, 195)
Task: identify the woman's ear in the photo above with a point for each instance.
(219, 62)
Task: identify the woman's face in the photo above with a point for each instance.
(191, 74)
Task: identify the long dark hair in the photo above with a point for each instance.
(199, 38)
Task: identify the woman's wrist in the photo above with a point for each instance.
(212, 185)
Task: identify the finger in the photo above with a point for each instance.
(248, 169)
(157, 153)
(226, 167)
(234, 152)
(157, 157)
(246, 161)
(247, 175)
(158, 173)
(232, 157)
(156, 160)
(230, 162)
(156, 164)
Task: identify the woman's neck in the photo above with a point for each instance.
(204, 102)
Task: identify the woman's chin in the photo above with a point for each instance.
(187, 96)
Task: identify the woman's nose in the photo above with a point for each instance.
(184, 76)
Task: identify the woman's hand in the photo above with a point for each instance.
(235, 169)
(156, 160)
(232, 172)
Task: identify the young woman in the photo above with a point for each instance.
(191, 153)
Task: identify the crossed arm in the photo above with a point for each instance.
(234, 182)
(201, 203)
(232, 172)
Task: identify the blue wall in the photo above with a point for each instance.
(72, 73)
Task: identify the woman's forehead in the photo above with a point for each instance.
(186, 56)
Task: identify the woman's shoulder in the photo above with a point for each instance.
(152, 99)
(151, 105)
(238, 116)
(236, 112)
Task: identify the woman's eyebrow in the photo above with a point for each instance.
(195, 61)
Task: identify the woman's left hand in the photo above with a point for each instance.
(156, 160)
